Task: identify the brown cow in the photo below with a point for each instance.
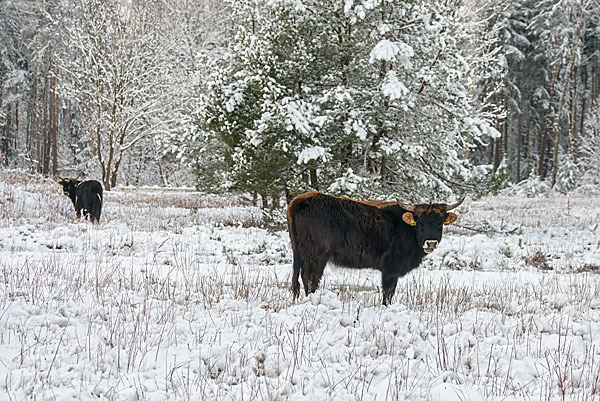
(391, 237)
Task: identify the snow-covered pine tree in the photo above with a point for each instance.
(568, 176)
(363, 98)
(197, 34)
(518, 83)
(589, 147)
(561, 26)
(260, 101)
(15, 81)
(431, 117)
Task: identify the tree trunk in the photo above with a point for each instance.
(506, 150)
(573, 112)
(518, 161)
(108, 175)
(6, 135)
(163, 178)
(582, 111)
(592, 81)
(115, 171)
(99, 144)
(497, 153)
(2, 132)
(46, 136)
(313, 178)
(530, 145)
(345, 60)
(544, 130)
(558, 127)
(113, 180)
(38, 147)
(14, 139)
(117, 165)
(53, 113)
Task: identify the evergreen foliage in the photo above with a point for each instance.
(361, 98)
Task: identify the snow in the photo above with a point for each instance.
(384, 50)
(177, 295)
(392, 51)
(312, 153)
(235, 97)
(348, 183)
(359, 129)
(393, 88)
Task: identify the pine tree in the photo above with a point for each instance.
(376, 95)
(589, 161)
(561, 26)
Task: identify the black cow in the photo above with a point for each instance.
(86, 196)
(391, 237)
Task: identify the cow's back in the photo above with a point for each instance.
(90, 196)
(89, 188)
(353, 234)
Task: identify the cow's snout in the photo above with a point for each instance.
(430, 245)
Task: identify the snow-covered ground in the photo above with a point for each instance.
(178, 296)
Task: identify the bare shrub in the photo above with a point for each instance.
(538, 260)
(587, 268)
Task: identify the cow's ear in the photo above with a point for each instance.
(409, 219)
(450, 218)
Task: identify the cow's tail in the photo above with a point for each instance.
(295, 287)
(97, 206)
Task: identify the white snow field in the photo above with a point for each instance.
(181, 296)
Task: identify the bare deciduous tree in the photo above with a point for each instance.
(117, 72)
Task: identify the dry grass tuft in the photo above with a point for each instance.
(587, 268)
(538, 260)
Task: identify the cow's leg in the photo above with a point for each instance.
(306, 269)
(317, 272)
(306, 259)
(296, 275)
(311, 263)
(312, 271)
(388, 284)
(302, 262)
(302, 268)
(94, 213)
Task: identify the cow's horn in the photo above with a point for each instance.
(407, 206)
(454, 205)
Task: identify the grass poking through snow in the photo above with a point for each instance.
(179, 295)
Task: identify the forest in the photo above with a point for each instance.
(365, 98)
